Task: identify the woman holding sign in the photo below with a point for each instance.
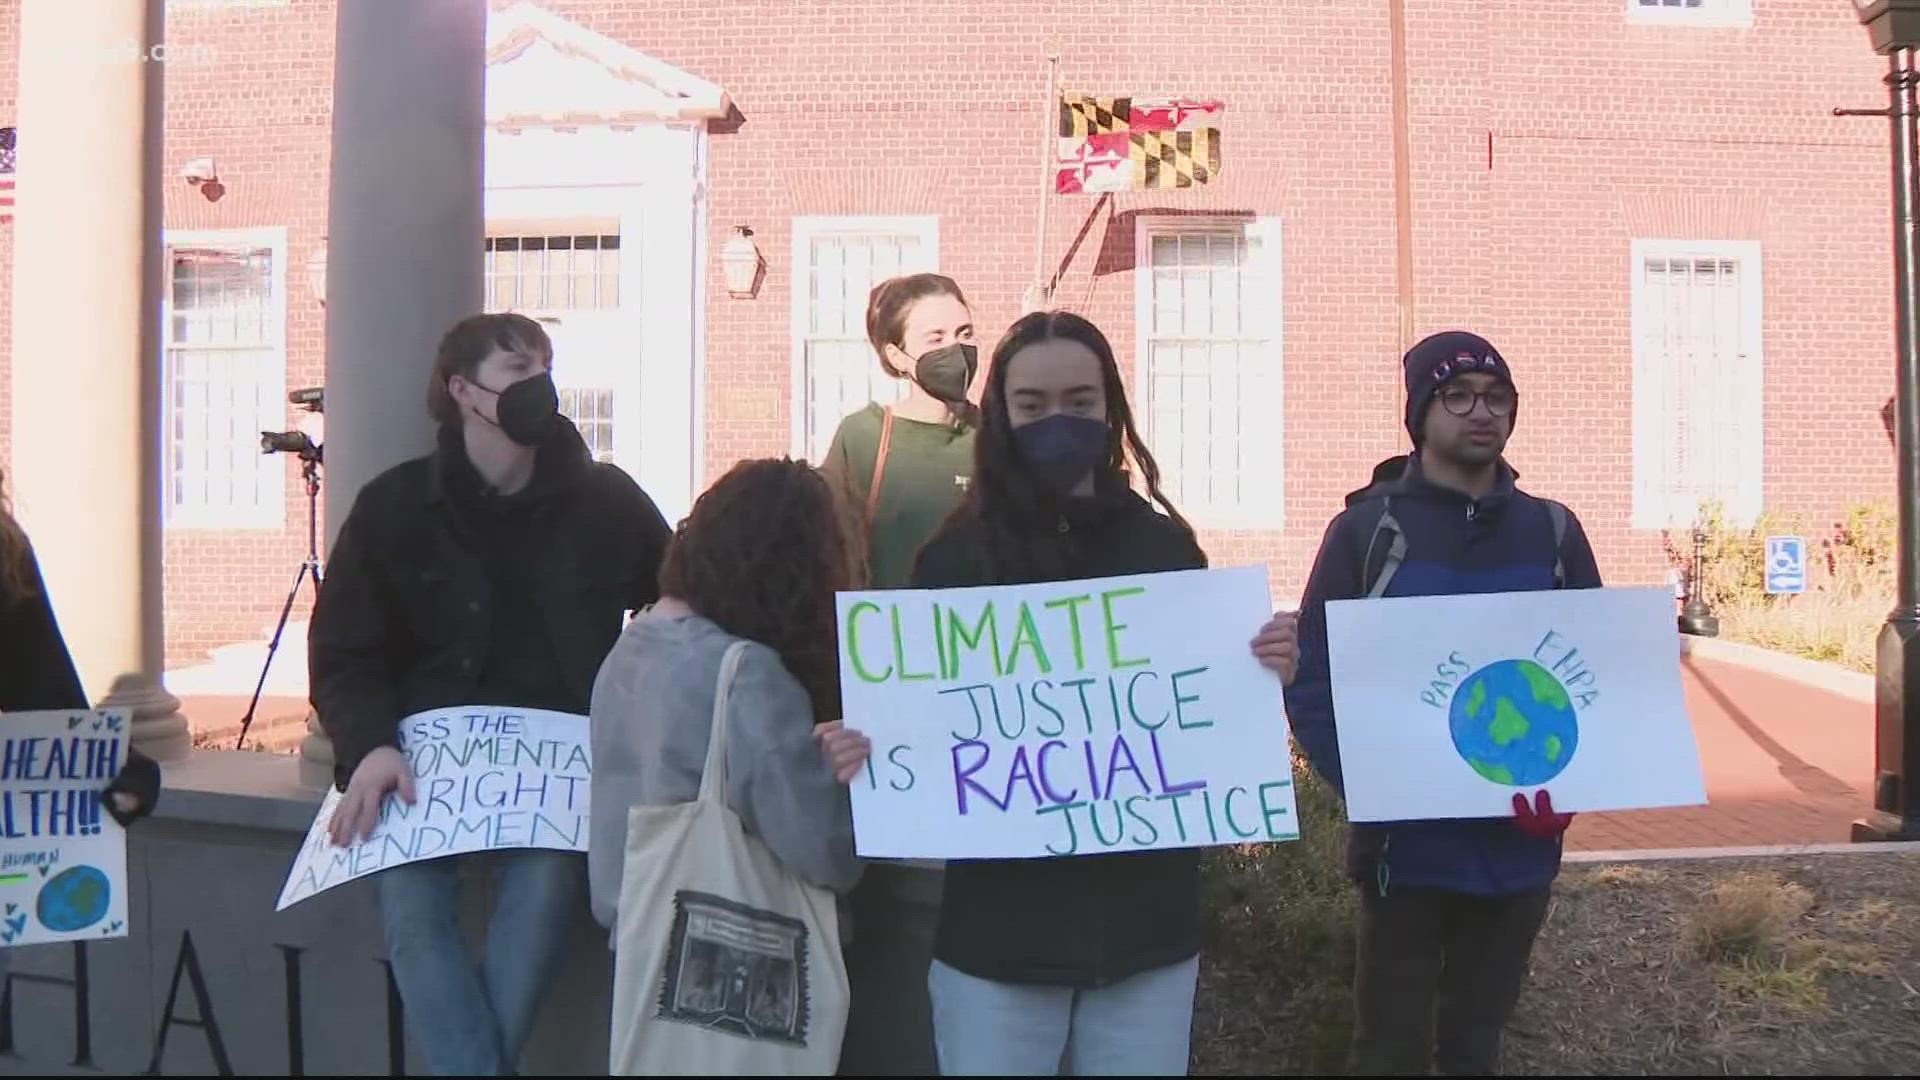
(1087, 962)
(900, 470)
(37, 672)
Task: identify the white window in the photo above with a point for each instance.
(837, 261)
(1722, 13)
(1209, 372)
(569, 280)
(226, 373)
(1697, 376)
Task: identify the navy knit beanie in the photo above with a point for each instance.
(1441, 358)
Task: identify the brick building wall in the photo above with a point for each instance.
(1544, 139)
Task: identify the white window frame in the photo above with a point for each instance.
(1266, 510)
(807, 229)
(1651, 509)
(272, 513)
(1722, 14)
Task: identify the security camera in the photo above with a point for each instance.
(198, 171)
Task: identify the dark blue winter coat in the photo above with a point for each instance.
(1455, 544)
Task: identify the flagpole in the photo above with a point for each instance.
(1037, 293)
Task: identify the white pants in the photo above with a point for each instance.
(1141, 1026)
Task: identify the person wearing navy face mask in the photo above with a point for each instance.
(1084, 961)
(900, 469)
(496, 571)
(1448, 909)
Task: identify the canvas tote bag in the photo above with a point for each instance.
(725, 963)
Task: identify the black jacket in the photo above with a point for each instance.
(1082, 921)
(405, 618)
(37, 672)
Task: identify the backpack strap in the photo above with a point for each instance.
(1558, 514)
(1396, 551)
(879, 466)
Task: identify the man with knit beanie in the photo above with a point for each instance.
(1448, 909)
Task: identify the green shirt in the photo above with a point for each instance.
(927, 470)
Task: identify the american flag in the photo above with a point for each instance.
(7, 136)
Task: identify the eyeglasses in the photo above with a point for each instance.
(1460, 400)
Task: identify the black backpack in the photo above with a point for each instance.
(1396, 549)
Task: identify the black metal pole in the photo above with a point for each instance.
(1897, 690)
(1696, 618)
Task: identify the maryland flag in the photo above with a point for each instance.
(1119, 144)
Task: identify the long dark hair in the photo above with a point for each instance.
(889, 305)
(1018, 513)
(16, 575)
(761, 555)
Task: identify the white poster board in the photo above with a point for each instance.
(63, 859)
(1078, 717)
(485, 778)
(1445, 706)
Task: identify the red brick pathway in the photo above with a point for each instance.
(278, 724)
(1785, 763)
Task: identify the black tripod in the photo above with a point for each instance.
(310, 472)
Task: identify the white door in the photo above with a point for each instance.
(570, 280)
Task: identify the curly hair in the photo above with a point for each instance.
(762, 554)
(16, 575)
(1014, 509)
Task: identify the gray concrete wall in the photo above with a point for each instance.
(213, 981)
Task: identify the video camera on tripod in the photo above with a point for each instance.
(297, 442)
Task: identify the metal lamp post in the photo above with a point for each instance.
(1696, 618)
(1894, 27)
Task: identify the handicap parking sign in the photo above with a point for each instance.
(1786, 564)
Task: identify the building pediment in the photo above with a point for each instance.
(546, 71)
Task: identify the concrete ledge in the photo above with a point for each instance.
(1852, 685)
(239, 788)
(212, 981)
(1674, 854)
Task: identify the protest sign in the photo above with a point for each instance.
(63, 859)
(485, 778)
(1445, 706)
(1076, 717)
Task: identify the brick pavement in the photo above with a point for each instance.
(1785, 763)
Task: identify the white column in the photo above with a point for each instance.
(404, 234)
(87, 367)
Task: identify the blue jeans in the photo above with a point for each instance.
(1137, 1027)
(468, 1020)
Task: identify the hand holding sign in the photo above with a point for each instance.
(379, 774)
(1277, 646)
(846, 749)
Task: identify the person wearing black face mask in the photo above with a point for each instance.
(496, 571)
(900, 469)
(1087, 962)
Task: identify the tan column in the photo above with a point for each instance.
(86, 346)
(405, 228)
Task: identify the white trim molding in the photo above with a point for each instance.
(1710, 14)
(1734, 433)
(270, 511)
(807, 230)
(1258, 390)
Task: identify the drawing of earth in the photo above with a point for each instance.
(1513, 722)
(74, 899)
